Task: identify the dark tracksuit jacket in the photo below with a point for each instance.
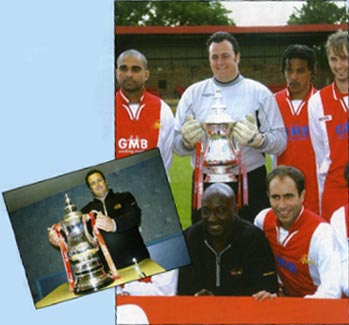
(244, 267)
(126, 243)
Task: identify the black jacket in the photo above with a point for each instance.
(126, 243)
(244, 267)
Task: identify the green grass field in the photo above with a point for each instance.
(180, 182)
(180, 176)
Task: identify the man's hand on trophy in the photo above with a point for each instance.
(105, 223)
(86, 217)
(53, 237)
(247, 134)
(191, 132)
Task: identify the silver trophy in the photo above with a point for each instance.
(82, 252)
(222, 152)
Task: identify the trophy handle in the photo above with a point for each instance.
(64, 253)
(233, 142)
(103, 246)
(198, 176)
(90, 238)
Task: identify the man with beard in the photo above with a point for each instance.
(143, 121)
(329, 127)
(230, 256)
(298, 68)
(304, 245)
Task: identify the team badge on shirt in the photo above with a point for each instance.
(236, 272)
(157, 125)
(306, 260)
(117, 206)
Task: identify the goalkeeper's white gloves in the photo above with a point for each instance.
(191, 132)
(247, 134)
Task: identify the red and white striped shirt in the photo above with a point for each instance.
(329, 128)
(143, 126)
(340, 223)
(307, 255)
(299, 152)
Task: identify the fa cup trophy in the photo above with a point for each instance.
(216, 159)
(221, 153)
(81, 250)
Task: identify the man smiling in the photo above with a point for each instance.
(303, 243)
(118, 220)
(329, 127)
(230, 256)
(259, 128)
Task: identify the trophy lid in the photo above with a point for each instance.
(69, 207)
(71, 212)
(217, 114)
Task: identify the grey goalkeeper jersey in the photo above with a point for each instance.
(241, 96)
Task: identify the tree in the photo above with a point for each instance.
(320, 12)
(171, 13)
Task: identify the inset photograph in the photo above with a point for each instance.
(96, 228)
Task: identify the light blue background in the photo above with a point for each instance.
(56, 116)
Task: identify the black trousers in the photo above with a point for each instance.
(257, 195)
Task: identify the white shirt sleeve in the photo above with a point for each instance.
(339, 225)
(130, 314)
(319, 139)
(163, 284)
(184, 108)
(324, 263)
(271, 125)
(259, 220)
(165, 142)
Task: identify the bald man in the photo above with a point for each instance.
(230, 256)
(143, 121)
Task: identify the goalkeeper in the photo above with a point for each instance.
(259, 129)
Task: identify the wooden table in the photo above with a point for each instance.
(127, 274)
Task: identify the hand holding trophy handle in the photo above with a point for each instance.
(247, 133)
(235, 145)
(64, 253)
(103, 246)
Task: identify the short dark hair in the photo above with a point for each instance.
(224, 36)
(91, 172)
(299, 51)
(282, 171)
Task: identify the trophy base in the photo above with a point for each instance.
(90, 281)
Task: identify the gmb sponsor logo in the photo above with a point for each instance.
(297, 132)
(133, 143)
